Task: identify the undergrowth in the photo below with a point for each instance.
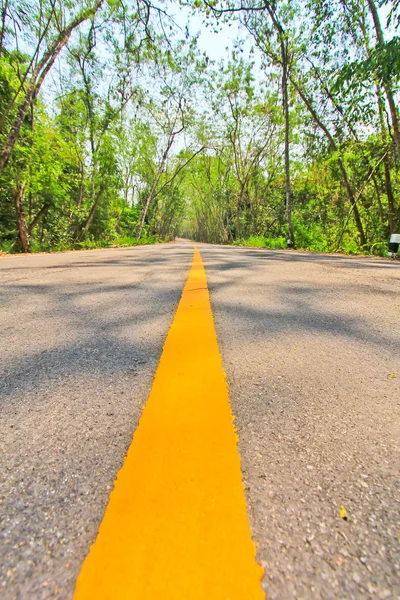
(348, 246)
(10, 247)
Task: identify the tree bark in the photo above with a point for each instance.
(3, 24)
(152, 193)
(23, 232)
(38, 217)
(386, 167)
(270, 7)
(238, 232)
(378, 197)
(146, 207)
(285, 95)
(91, 213)
(390, 197)
(357, 218)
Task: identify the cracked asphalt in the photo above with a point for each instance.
(310, 344)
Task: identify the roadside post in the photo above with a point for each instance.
(394, 244)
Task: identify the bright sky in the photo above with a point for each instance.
(218, 46)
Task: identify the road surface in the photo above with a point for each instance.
(310, 345)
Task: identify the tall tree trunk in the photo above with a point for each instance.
(23, 232)
(353, 132)
(238, 218)
(284, 54)
(38, 217)
(390, 197)
(153, 188)
(282, 36)
(387, 83)
(378, 197)
(357, 218)
(91, 213)
(386, 167)
(146, 208)
(4, 10)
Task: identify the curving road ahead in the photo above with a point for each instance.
(310, 345)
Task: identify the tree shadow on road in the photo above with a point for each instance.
(299, 304)
(102, 324)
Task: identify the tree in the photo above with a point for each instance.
(57, 28)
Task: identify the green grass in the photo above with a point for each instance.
(262, 242)
(9, 247)
(130, 241)
(348, 246)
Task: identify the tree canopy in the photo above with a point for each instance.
(116, 128)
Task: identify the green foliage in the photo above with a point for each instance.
(262, 242)
(8, 246)
(88, 244)
(382, 64)
(148, 131)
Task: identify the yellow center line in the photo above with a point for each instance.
(176, 525)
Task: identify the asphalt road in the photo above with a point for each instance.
(310, 344)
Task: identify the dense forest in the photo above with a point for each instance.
(116, 128)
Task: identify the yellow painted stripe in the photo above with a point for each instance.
(176, 525)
